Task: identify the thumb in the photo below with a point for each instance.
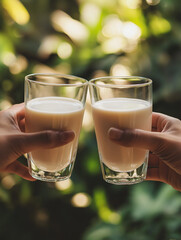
(136, 138)
(28, 142)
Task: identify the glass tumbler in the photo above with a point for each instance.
(54, 102)
(124, 103)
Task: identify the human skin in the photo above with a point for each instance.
(14, 142)
(164, 143)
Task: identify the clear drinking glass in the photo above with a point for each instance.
(54, 102)
(121, 102)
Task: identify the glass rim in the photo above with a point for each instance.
(147, 82)
(57, 75)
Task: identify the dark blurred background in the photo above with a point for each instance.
(90, 38)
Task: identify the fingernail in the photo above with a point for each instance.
(67, 136)
(115, 134)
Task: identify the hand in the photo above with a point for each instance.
(164, 142)
(14, 142)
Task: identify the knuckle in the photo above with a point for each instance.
(175, 120)
(160, 146)
(16, 143)
(48, 136)
(52, 138)
(172, 124)
(129, 137)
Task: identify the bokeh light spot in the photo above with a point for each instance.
(63, 185)
(81, 200)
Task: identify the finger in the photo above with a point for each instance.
(153, 161)
(19, 169)
(19, 111)
(157, 170)
(171, 178)
(27, 142)
(136, 138)
(153, 174)
(22, 125)
(156, 118)
(159, 121)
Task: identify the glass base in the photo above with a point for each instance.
(42, 175)
(124, 178)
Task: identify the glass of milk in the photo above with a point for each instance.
(121, 102)
(54, 102)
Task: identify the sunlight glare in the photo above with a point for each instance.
(63, 185)
(64, 50)
(153, 2)
(8, 58)
(8, 182)
(132, 4)
(131, 31)
(17, 11)
(19, 65)
(113, 26)
(120, 70)
(81, 200)
(73, 28)
(5, 104)
(48, 46)
(114, 45)
(90, 14)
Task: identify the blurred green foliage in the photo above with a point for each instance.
(90, 38)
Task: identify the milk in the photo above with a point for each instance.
(54, 113)
(120, 113)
